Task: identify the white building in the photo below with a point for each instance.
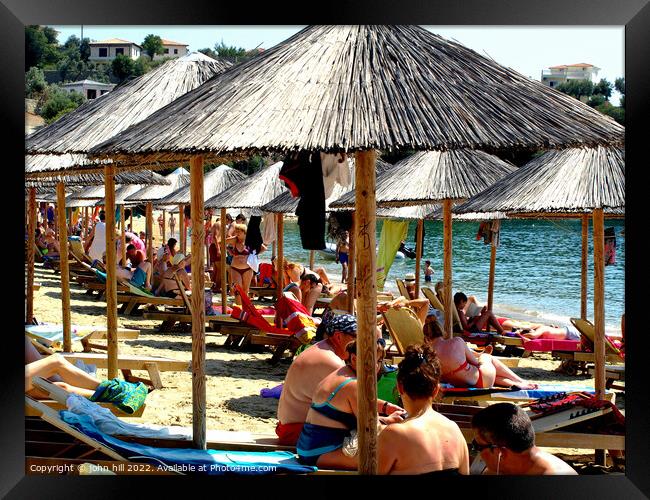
(107, 50)
(555, 75)
(89, 88)
(172, 49)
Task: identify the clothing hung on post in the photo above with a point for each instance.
(253, 234)
(302, 173)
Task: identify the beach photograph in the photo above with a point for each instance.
(325, 250)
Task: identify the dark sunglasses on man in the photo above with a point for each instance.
(478, 448)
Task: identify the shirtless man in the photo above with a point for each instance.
(307, 371)
(142, 270)
(506, 441)
(342, 251)
(462, 367)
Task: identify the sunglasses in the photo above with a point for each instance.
(477, 448)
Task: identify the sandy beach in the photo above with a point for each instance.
(234, 378)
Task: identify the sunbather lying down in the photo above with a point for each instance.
(463, 367)
(127, 396)
(568, 332)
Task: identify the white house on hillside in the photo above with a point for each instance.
(555, 75)
(107, 50)
(172, 49)
(89, 88)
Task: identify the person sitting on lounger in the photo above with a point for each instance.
(305, 373)
(52, 245)
(473, 307)
(426, 442)
(332, 416)
(140, 272)
(59, 371)
(419, 306)
(462, 367)
(168, 286)
(480, 321)
(505, 438)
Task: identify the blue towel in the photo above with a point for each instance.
(193, 461)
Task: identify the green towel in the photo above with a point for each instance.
(127, 396)
(392, 234)
(387, 386)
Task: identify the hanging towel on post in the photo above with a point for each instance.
(302, 173)
(392, 234)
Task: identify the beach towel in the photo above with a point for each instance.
(249, 314)
(127, 396)
(393, 233)
(296, 318)
(192, 461)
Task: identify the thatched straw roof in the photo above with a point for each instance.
(432, 176)
(571, 181)
(412, 212)
(436, 214)
(177, 179)
(130, 103)
(46, 166)
(345, 88)
(252, 192)
(214, 182)
(287, 204)
(141, 177)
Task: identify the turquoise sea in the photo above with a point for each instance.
(537, 268)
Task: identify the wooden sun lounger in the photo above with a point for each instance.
(131, 303)
(613, 373)
(87, 335)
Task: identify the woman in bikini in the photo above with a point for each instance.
(463, 367)
(333, 414)
(168, 286)
(426, 442)
(240, 272)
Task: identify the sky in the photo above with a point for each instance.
(528, 50)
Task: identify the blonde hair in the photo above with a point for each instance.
(240, 227)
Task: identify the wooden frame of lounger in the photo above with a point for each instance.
(126, 363)
(91, 333)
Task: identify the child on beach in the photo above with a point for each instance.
(428, 271)
(342, 250)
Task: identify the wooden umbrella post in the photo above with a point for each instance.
(280, 256)
(181, 228)
(31, 243)
(131, 220)
(123, 235)
(352, 266)
(65, 270)
(198, 305)
(311, 259)
(366, 311)
(224, 273)
(583, 276)
(86, 217)
(150, 232)
(418, 256)
(493, 262)
(111, 276)
(164, 214)
(447, 291)
(599, 302)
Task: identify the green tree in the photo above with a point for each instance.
(122, 67)
(41, 47)
(231, 53)
(616, 112)
(619, 85)
(59, 102)
(35, 82)
(577, 88)
(152, 45)
(142, 65)
(84, 50)
(604, 88)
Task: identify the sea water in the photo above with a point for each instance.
(538, 267)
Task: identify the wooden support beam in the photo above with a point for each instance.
(64, 266)
(123, 236)
(280, 256)
(599, 302)
(418, 256)
(352, 266)
(366, 311)
(149, 230)
(583, 276)
(224, 271)
(111, 267)
(181, 228)
(493, 263)
(198, 305)
(447, 279)
(31, 243)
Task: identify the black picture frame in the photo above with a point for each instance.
(634, 14)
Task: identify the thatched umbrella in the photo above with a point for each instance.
(250, 193)
(361, 88)
(214, 182)
(98, 119)
(178, 179)
(436, 177)
(569, 184)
